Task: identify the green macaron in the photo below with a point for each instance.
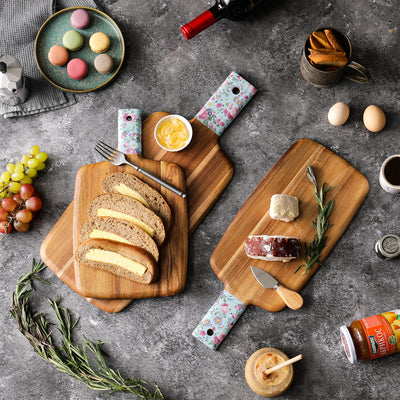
(72, 40)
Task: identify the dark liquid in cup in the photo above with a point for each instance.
(392, 171)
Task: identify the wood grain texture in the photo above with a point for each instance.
(92, 282)
(56, 252)
(288, 176)
(207, 171)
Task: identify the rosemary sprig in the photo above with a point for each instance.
(70, 357)
(321, 224)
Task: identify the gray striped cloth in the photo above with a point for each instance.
(20, 20)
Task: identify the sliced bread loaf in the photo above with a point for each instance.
(127, 208)
(122, 259)
(119, 231)
(130, 185)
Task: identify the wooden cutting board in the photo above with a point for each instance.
(288, 176)
(172, 264)
(207, 170)
(56, 252)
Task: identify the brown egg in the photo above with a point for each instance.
(374, 118)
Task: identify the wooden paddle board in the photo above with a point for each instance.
(172, 264)
(207, 171)
(288, 176)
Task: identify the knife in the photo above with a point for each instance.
(291, 298)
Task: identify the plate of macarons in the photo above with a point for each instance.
(79, 49)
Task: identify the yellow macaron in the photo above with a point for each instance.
(99, 42)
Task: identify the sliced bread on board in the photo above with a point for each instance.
(125, 260)
(130, 185)
(128, 209)
(119, 231)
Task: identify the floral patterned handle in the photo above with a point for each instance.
(219, 320)
(130, 131)
(226, 103)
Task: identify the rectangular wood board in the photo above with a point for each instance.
(56, 252)
(172, 265)
(207, 171)
(288, 176)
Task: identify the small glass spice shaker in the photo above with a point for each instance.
(388, 246)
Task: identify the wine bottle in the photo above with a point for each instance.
(230, 9)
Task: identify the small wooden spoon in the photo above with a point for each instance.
(282, 365)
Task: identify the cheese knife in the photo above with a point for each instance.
(291, 298)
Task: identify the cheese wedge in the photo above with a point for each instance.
(284, 207)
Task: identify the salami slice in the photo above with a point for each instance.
(273, 248)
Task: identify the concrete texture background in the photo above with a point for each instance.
(151, 339)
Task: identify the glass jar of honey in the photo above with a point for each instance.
(372, 337)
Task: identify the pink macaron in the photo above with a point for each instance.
(80, 19)
(77, 69)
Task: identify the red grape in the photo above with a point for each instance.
(24, 215)
(5, 227)
(3, 214)
(17, 197)
(26, 190)
(21, 226)
(34, 203)
(9, 204)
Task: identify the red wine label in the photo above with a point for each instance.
(381, 339)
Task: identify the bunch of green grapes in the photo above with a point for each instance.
(24, 171)
(19, 201)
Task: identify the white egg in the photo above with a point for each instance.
(338, 114)
(374, 118)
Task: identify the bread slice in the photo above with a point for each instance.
(330, 52)
(314, 43)
(128, 209)
(119, 231)
(334, 40)
(121, 259)
(322, 39)
(329, 60)
(130, 185)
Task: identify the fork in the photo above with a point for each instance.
(118, 158)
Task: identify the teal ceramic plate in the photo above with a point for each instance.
(52, 32)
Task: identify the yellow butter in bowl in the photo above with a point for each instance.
(173, 133)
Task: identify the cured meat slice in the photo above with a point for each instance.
(273, 248)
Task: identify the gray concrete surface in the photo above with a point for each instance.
(151, 339)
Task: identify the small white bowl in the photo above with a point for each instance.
(187, 125)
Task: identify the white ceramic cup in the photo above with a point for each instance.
(186, 123)
(386, 184)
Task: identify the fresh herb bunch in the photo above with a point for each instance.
(70, 358)
(321, 224)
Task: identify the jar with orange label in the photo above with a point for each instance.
(372, 337)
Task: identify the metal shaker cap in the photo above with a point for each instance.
(388, 246)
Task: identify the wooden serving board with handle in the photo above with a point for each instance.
(207, 170)
(172, 265)
(229, 260)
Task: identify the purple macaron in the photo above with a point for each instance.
(80, 19)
